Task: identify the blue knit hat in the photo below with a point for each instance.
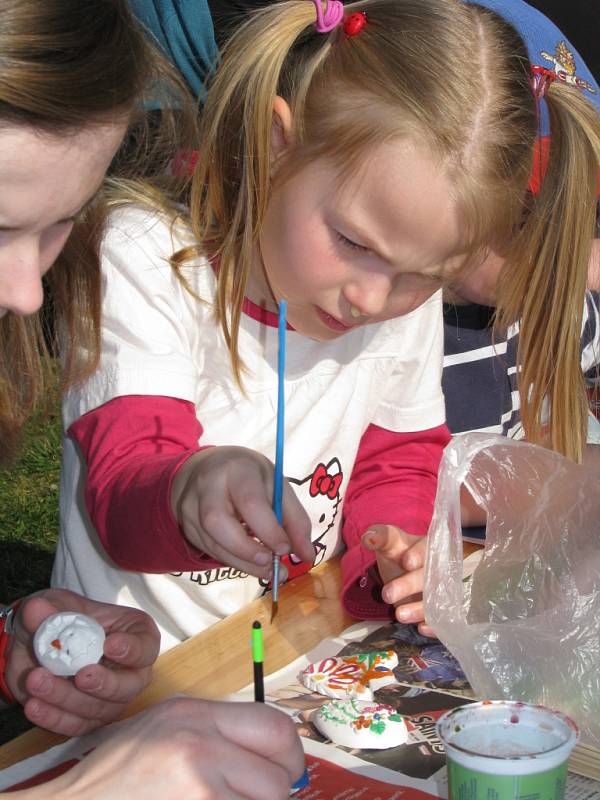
(548, 47)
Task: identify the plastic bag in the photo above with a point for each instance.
(526, 624)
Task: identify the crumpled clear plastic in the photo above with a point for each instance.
(526, 625)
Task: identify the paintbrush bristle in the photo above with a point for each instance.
(274, 609)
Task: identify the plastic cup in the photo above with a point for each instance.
(506, 750)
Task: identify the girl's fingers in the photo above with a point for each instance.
(252, 500)
(414, 557)
(204, 541)
(410, 612)
(384, 542)
(218, 518)
(214, 529)
(233, 484)
(253, 504)
(211, 519)
(399, 589)
(425, 630)
(297, 525)
(389, 542)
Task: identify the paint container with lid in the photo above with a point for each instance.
(506, 750)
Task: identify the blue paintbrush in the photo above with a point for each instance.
(278, 481)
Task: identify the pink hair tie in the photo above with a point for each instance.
(541, 78)
(334, 14)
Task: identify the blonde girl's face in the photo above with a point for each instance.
(372, 246)
(45, 182)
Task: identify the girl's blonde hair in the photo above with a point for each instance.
(452, 75)
(66, 65)
(544, 280)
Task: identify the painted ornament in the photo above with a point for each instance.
(65, 642)
(358, 724)
(344, 677)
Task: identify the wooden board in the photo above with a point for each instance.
(218, 661)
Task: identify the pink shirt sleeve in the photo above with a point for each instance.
(393, 482)
(133, 446)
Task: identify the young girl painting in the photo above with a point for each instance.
(352, 170)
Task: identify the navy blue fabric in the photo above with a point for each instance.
(479, 377)
(477, 384)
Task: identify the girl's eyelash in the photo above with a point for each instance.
(349, 243)
(361, 248)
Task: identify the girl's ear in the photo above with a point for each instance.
(281, 129)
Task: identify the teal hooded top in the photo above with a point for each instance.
(184, 31)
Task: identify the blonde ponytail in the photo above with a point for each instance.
(543, 284)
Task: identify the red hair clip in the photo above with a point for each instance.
(354, 23)
(541, 79)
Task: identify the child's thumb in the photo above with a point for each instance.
(388, 550)
(385, 541)
(373, 540)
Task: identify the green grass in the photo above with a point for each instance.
(29, 523)
(29, 509)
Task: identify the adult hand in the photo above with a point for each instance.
(401, 562)
(192, 748)
(97, 694)
(222, 498)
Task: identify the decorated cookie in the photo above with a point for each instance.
(66, 642)
(357, 676)
(358, 724)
